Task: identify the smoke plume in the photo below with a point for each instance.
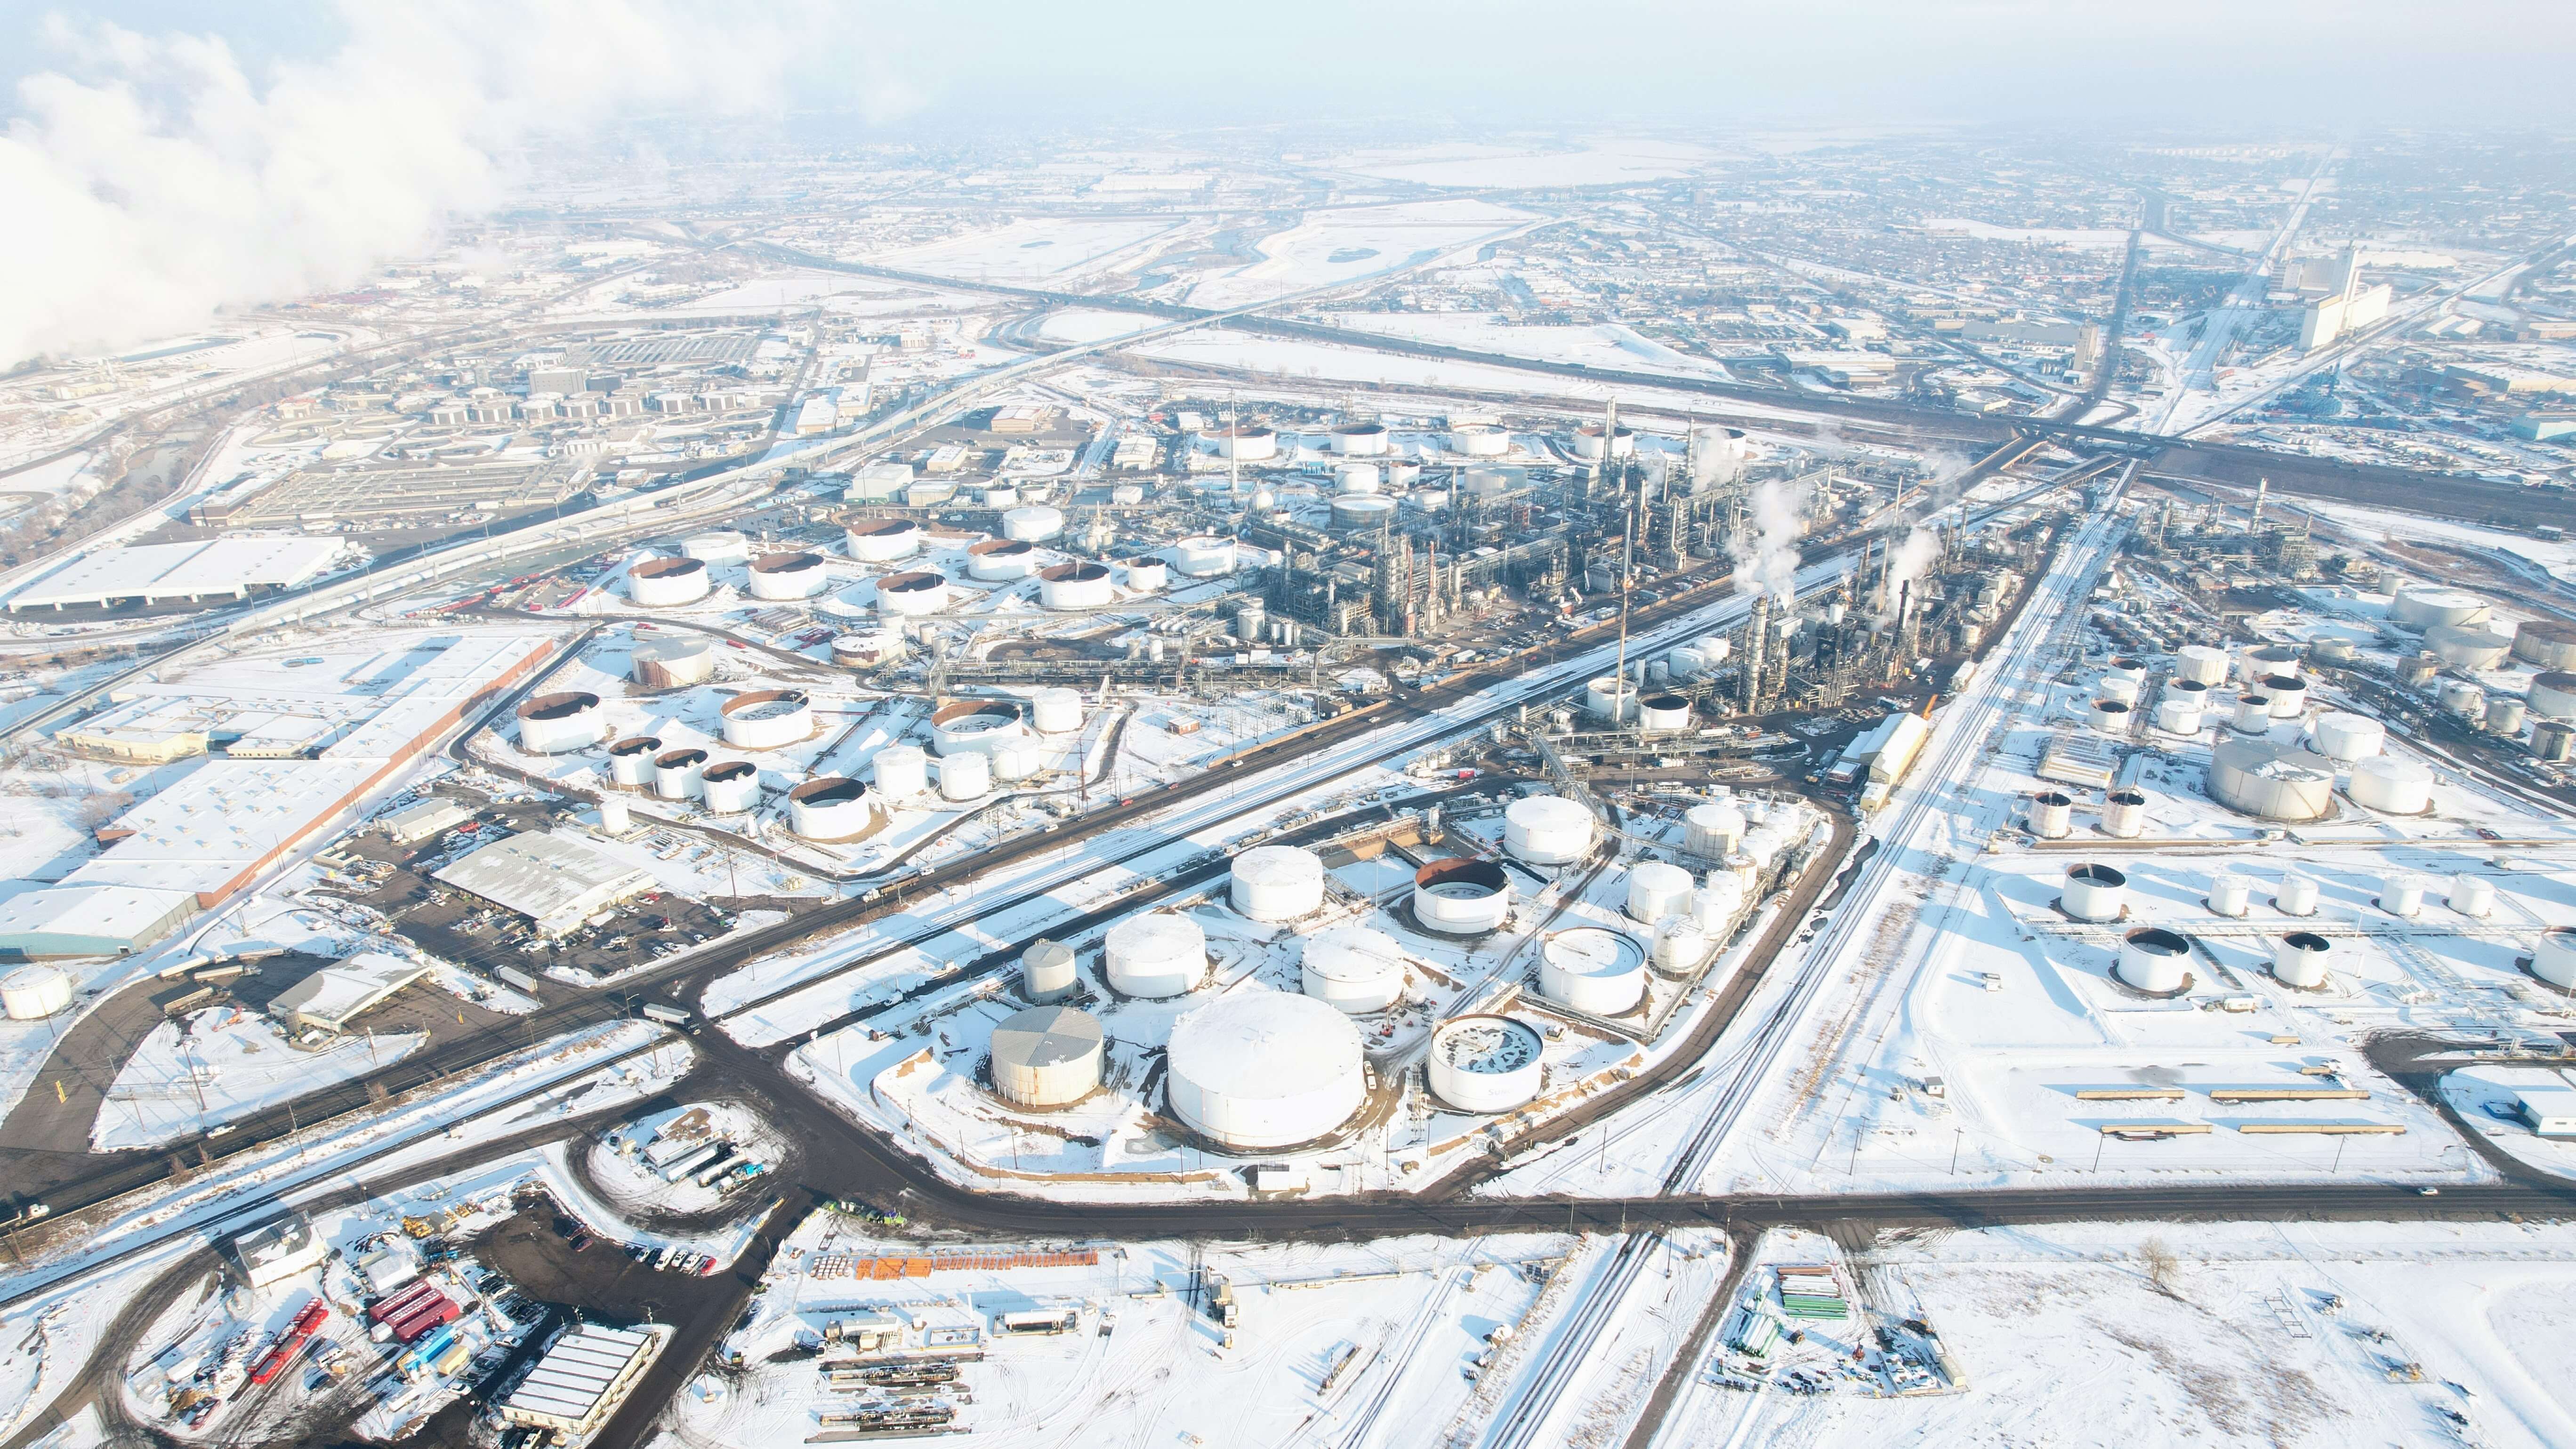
(156, 180)
(1766, 555)
(1908, 561)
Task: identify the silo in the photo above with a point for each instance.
(1657, 889)
(2094, 892)
(902, 771)
(1485, 1064)
(1155, 955)
(1275, 883)
(2299, 960)
(1593, 970)
(1258, 1070)
(1048, 971)
(1047, 1056)
(1354, 968)
(2152, 960)
(1547, 830)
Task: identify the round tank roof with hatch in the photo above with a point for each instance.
(1356, 969)
(673, 663)
(1486, 1063)
(1593, 969)
(2270, 781)
(1155, 955)
(1047, 1056)
(1257, 1070)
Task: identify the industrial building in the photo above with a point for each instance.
(331, 998)
(156, 575)
(90, 920)
(556, 881)
(272, 1253)
(578, 1385)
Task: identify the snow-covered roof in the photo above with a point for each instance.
(332, 996)
(554, 880)
(1259, 1044)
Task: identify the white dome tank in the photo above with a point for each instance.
(1592, 969)
(2201, 664)
(967, 776)
(1276, 883)
(1352, 478)
(2462, 698)
(2152, 960)
(2419, 607)
(1486, 1064)
(1680, 945)
(1714, 906)
(2393, 784)
(1055, 710)
(664, 583)
(1712, 828)
(881, 540)
(1657, 889)
(2095, 892)
(2270, 782)
(675, 773)
(831, 808)
(32, 993)
(1048, 971)
(2178, 716)
(672, 663)
(1547, 830)
(555, 724)
(1047, 1056)
(2299, 960)
(2117, 687)
(1353, 968)
(1204, 555)
(2296, 895)
(902, 771)
(2554, 959)
(717, 546)
(1076, 584)
(2468, 647)
(2401, 893)
(2340, 736)
(2230, 894)
(729, 787)
(1034, 524)
(1155, 955)
(1462, 897)
(778, 577)
(2472, 895)
(1257, 1070)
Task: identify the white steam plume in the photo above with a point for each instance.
(1766, 556)
(162, 181)
(1908, 561)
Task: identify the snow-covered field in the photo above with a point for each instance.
(202, 1070)
(1032, 249)
(1351, 243)
(1607, 161)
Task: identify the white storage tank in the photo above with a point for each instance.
(2114, 686)
(1360, 440)
(2553, 695)
(2340, 736)
(881, 540)
(1547, 830)
(1486, 1064)
(1353, 968)
(1680, 945)
(2126, 670)
(1034, 524)
(1715, 905)
(2468, 647)
(730, 787)
(2052, 815)
(1610, 697)
(1047, 1056)
(2253, 714)
(1663, 713)
(675, 773)
(2401, 893)
(2420, 607)
(717, 546)
(1588, 440)
(1480, 442)
(1000, 560)
(2472, 895)
(913, 594)
(1351, 478)
(831, 808)
(1362, 512)
(663, 583)
(2545, 643)
(965, 776)
(1245, 442)
(630, 760)
(2152, 960)
(1146, 575)
(1204, 555)
(1155, 955)
(868, 650)
(1054, 710)
(1017, 757)
(2124, 814)
(1077, 584)
(2095, 892)
(902, 771)
(782, 576)
(2392, 784)
(2554, 959)
(2262, 661)
(765, 719)
(1048, 971)
(974, 726)
(2111, 716)
(2289, 696)
(2464, 699)
(34, 992)
(1258, 1070)
(1593, 970)
(2201, 664)
(2299, 960)
(1657, 889)
(2270, 782)
(2230, 894)
(2504, 715)
(672, 663)
(1276, 883)
(2178, 716)
(2296, 895)
(555, 724)
(614, 816)
(1461, 897)
(1712, 828)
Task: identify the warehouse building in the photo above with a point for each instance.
(424, 819)
(556, 881)
(278, 1251)
(157, 574)
(96, 920)
(578, 1385)
(333, 997)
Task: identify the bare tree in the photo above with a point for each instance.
(2161, 1265)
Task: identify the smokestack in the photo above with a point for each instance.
(1757, 633)
(2254, 520)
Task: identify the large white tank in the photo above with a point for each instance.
(1155, 955)
(1680, 945)
(2152, 960)
(1360, 440)
(974, 726)
(1247, 442)
(1017, 757)
(2296, 895)
(2180, 716)
(1054, 710)
(1486, 1063)
(1355, 968)
(2124, 814)
(2112, 717)
(1663, 713)
(2462, 698)
(967, 776)
(2545, 643)
(2201, 664)
(2468, 647)
(902, 771)
(2270, 782)
(1547, 830)
(2554, 959)
(2472, 895)
(830, 807)
(2253, 713)
(663, 583)
(729, 787)
(555, 724)
(1146, 575)
(2262, 661)
(766, 719)
(1204, 555)
(2114, 686)
(1034, 524)
(722, 545)
(2289, 696)
(1592, 969)
(615, 816)
(2340, 736)
(1611, 698)
(630, 760)
(1715, 905)
(2052, 815)
(2401, 893)
(1047, 1056)
(1480, 442)
(1257, 1070)
(2299, 960)
(1001, 560)
(1362, 512)
(1276, 883)
(1712, 828)
(2421, 607)
(2553, 695)
(1048, 971)
(782, 576)
(2504, 715)
(672, 663)
(1657, 889)
(881, 540)
(1588, 443)
(1351, 478)
(2095, 892)
(2393, 784)
(675, 773)
(911, 595)
(34, 992)
(1076, 584)
(1461, 897)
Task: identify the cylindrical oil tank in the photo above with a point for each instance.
(2270, 781)
(2554, 959)
(972, 726)
(1362, 512)
(675, 772)
(2341, 736)
(831, 807)
(2124, 813)
(1146, 575)
(1276, 883)
(2504, 715)
(2178, 716)
(2289, 696)
(2553, 695)
(555, 724)
(2299, 960)
(2401, 893)
(2416, 671)
(2189, 691)
(1000, 495)
(1485, 1063)
(913, 594)
(1712, 828)
(2152, 960)
(765, 719)
(1076, 584)
(1664, 712)
(2115, 687)
(2262, 661)
(2467, 647)
(1461, 897)
(730, 786)
(1592, 969)
(1479, 442)
(1588, 443)
(2553, 740)
(1017, 757)
(2472, 895)
(869, 649)
(2392, 784)
(34, 992)
(662, 583)
(1047, 1056)
(1352, 478)
(1054, 710)
(1488, 482)
(2230, 894)
(630, 760)
(2202, 664)
(1353, 968)
(1246, 442)
(673, 663)
(2296, 895)
(1258, 1070)
(881, 540)
(2420, 607)
(2253, 714)
(2052, 815)
(1547, 830)
(1610, 697)
(2127, 670)
(1000, 560)
(1657, 889)
(1155, 955)
(902, 771)
(615, 817)
(1680, 945)
(2546, 643)
(1204, 555)
(2111, 716)
(1048, 971)
(1714, 906)
(717, 546)
(2094, 892)
(1034, 524)
(967, 775)
(1360, 440)
(1429, 500)
(782, 576)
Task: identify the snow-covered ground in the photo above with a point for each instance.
(1350, 243)
(198, 1072)
(1607, 161)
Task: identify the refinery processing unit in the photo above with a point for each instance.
(1286, 787)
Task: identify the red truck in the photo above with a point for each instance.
(278, 1355)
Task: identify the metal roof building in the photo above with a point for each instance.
(336, 995)
(554, 880)
(580, 1382)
